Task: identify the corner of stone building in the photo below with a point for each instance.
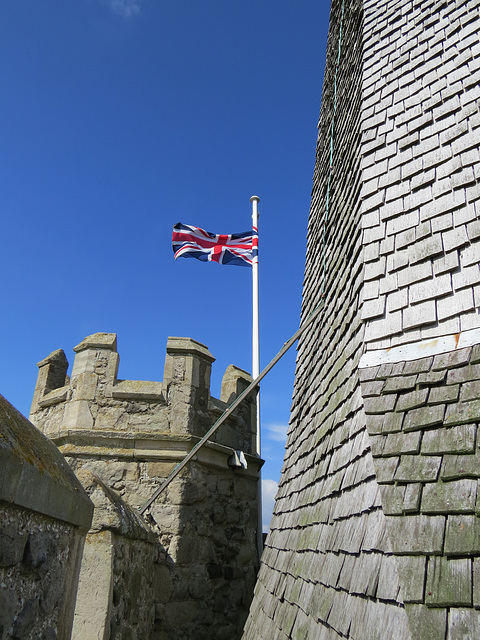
(118, 569)
(45, 515)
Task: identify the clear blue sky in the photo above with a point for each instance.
(120, 118)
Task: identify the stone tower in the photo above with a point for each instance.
(375, 532)
(190, 574)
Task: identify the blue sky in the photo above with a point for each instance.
(122, 117)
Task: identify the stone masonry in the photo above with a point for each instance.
(44, 517)
(116, 595)
(374, 532)
(130, 434)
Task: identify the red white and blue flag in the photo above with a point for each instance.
(239, 249)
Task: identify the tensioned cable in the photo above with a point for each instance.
(308, 321)
(231, 408)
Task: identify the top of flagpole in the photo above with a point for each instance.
(254, 198)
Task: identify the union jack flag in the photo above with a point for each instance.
(239, 249)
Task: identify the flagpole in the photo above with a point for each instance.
(256, 363)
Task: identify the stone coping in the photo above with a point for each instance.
(138, 390)
(35, 475)
(54, 397)
(188, 346)
(112, 513)
(98, 341)
(122, 390)
(150, 447)
(422, 349)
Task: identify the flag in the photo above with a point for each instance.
(239, 249)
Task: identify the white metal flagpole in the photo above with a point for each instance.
(256, 362)
(255, 331)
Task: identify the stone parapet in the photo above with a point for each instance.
(95, 400)
(35, 475)
(44, 517)
(116, 586)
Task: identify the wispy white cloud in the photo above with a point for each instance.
(277, 432)
(124, 8)
(269, 491)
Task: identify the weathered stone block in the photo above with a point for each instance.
(12, 546)
(51, 376)
(86, 386)
(78, 416)
(93, 609)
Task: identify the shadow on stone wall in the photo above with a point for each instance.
(44, 516)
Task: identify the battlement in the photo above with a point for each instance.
(95, 401)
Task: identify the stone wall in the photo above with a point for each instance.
(116, 593)
(374, 527)
(44, 516)
(131, 434)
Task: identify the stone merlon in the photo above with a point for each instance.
(95, 400)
